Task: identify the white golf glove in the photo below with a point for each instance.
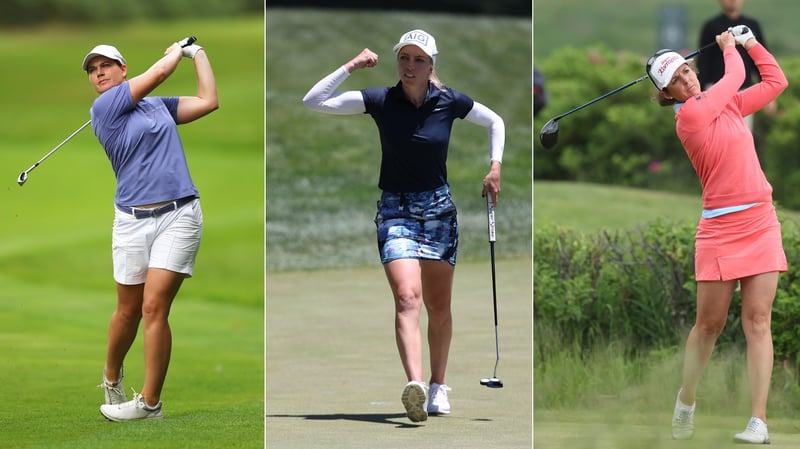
(190, 50)
(742, 33)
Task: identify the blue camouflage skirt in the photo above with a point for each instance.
(419, 225)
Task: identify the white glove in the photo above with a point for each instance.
(190, 50)
(186, 41)
(742, 33)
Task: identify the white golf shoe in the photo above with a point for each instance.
(437, 399)
(414, 401)
(132, 410)
(682, 420)
(114, 392)
(755, 433)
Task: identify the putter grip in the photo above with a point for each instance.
(490, 214)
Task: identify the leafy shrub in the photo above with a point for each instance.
(637, 286)
(628, 139)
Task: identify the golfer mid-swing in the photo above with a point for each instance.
(158, 221)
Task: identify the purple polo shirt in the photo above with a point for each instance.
(142, 143)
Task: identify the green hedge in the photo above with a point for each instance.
(628, 139)
(637, 286)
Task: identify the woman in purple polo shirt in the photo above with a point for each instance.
(158, 221)
(416, 218)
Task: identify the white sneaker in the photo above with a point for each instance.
(414, 401)
(682, 420)
(114, 392)
(131, 410)
(755, 433)
(437, 399)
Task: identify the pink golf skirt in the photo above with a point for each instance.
(739, 244)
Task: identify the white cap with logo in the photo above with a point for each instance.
(662, 65)
(421, 39)
(103, 50)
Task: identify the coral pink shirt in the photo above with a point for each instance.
(717, 140)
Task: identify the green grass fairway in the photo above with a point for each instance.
(607, 430)
(56, 287)
(334, 377)
(593, 207)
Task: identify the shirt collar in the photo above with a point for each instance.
(397, 92)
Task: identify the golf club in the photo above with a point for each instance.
(24, 175)
(548, 135)
(493, 382)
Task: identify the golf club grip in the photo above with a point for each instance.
(189, 41)
(700, 50)
(490, 216)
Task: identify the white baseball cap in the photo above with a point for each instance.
(103, 50)
(421, 39)
(662, 65)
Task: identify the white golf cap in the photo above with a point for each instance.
(421, 39)
(103, 50)
(662, 65)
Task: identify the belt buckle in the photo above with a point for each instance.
(139, 213)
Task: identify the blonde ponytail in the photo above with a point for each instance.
(434, 79)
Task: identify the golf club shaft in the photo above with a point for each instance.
(189, 41)
(58, 146)
(24, 175)
(605, 95)
(492, 239)
(629, 84)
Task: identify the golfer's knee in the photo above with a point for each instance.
(756, 326)
(407, 299)
(128, 315)
(154, 311)
(709, 328)
(439, 310)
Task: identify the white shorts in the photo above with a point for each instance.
(169, 241)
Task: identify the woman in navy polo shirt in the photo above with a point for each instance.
(416, 218)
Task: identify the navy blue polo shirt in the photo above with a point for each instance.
(414, 141)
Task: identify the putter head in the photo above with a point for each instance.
(492, 382)
(548, 135)
(22, 178)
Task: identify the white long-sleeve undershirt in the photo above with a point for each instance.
(323, 98)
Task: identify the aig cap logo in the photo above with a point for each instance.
(416, 36)
(421, 39)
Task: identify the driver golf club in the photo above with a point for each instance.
(24, 175)
(548, 135)
(493, 382)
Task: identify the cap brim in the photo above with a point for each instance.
(93, 55)
(88, 59)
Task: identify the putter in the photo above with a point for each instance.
(493, 382)
(24, 175)
(548, 135)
